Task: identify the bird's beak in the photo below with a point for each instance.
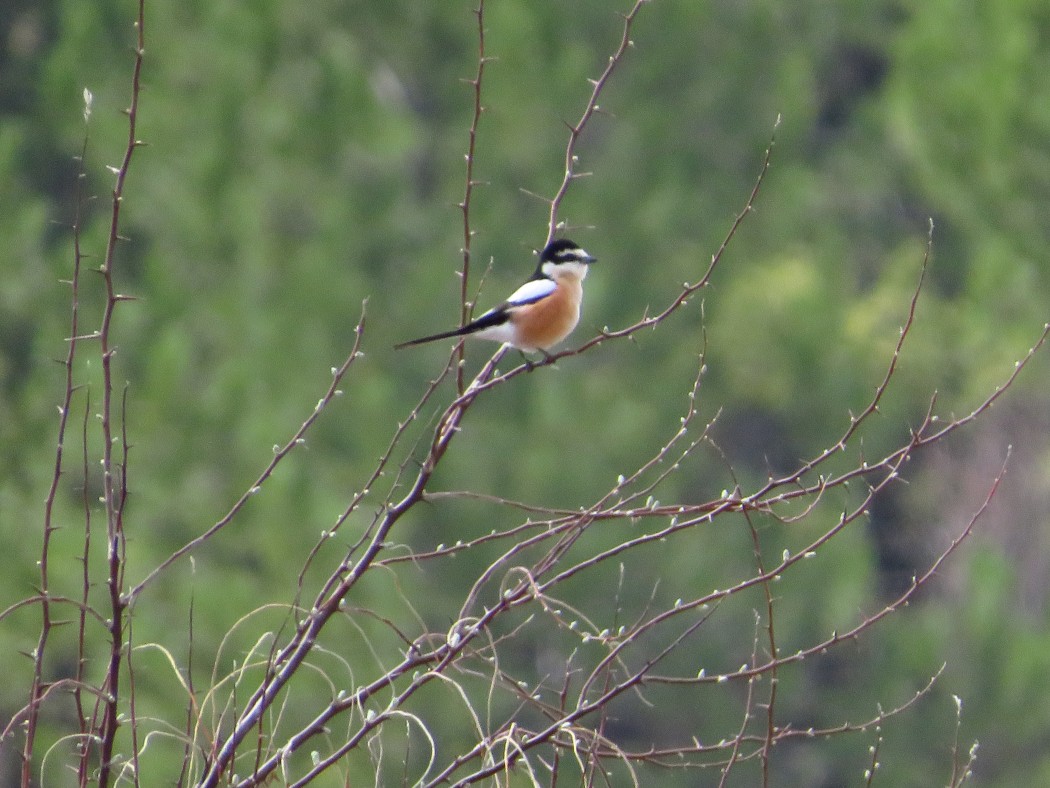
(588, 259)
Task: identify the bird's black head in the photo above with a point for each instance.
(562, 250)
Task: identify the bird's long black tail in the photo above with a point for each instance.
(434, 337)
(493, 317)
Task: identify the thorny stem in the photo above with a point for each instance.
(597, 85)
(114, 474)
(84, 762)
(37, 687)
(468, 189)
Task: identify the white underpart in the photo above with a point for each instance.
(502, 333)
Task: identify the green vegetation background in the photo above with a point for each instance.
(305, 156)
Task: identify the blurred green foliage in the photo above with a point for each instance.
(305, 157)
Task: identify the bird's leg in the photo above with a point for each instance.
(530, 364)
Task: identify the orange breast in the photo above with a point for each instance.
(546, 323)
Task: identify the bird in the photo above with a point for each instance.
(540, 313)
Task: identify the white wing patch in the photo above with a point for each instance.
(531, 292)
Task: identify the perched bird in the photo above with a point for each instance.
(540, 313)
